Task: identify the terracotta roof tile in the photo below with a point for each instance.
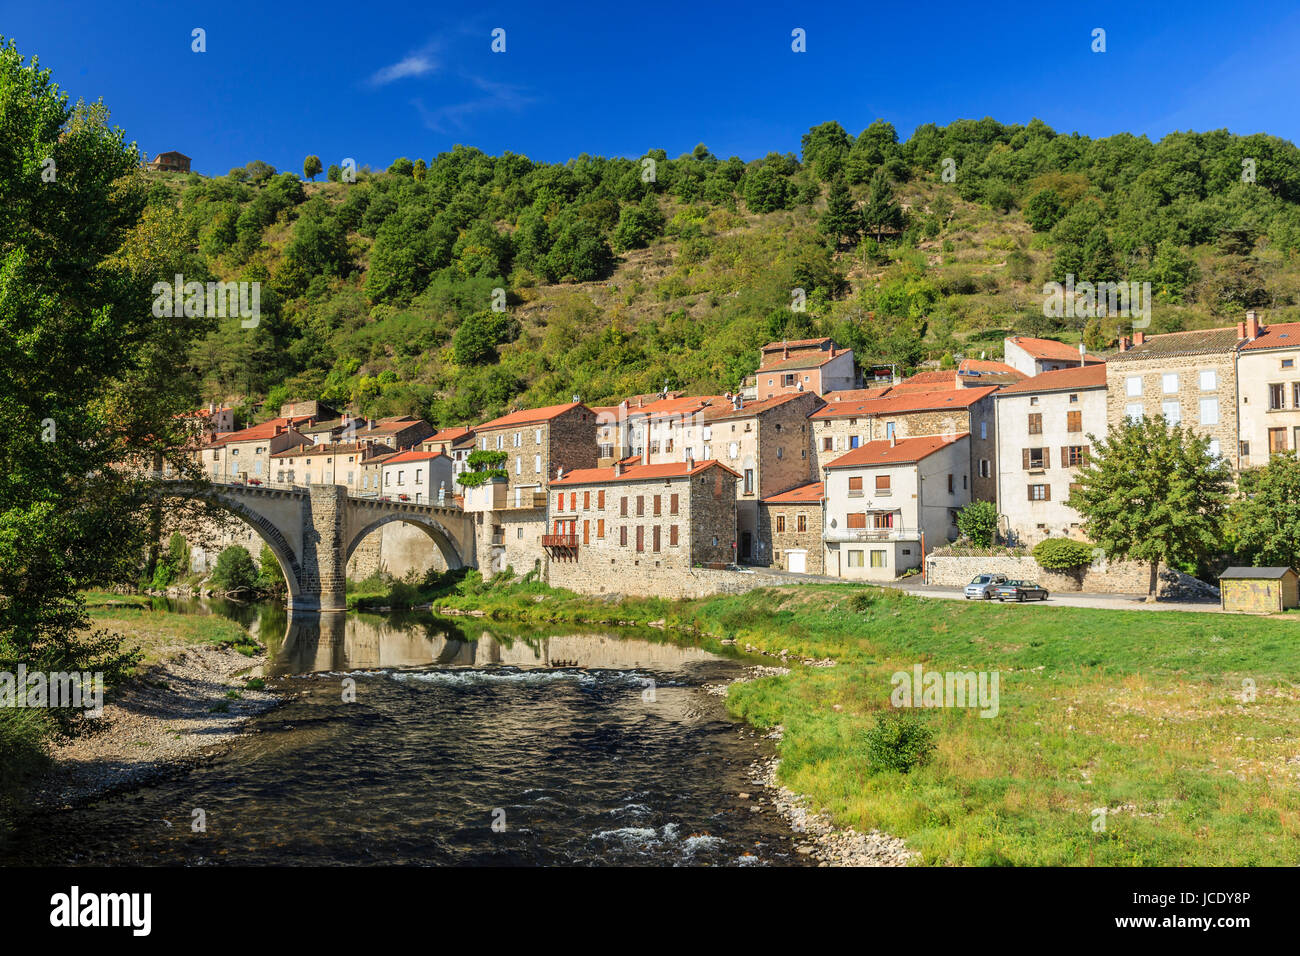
(903, 451)
(803, 494)
(1086, 376)
(676, 469)
(894, 404)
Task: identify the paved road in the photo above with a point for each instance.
(1123, 602)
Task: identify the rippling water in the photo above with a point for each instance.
(465, 745)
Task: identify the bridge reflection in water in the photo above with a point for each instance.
(339, 641)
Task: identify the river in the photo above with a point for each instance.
(464, 743)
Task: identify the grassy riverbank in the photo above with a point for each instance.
(1143, 714)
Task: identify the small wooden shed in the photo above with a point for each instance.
(1259, 590)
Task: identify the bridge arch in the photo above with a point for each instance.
(265, 529)
(434, 529)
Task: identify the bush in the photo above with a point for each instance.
(978, 521)
(898, 742)
(235, 570)
(1061, 554)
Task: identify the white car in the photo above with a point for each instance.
(983, 584)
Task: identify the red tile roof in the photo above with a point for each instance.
(723, 409)
(1281, 335)
(795, 344)
(943, 376)
(529, 416)
(804, 360)
(811, 492)
(676, 469)
(266, 429)
(985, 367)
(1086, 376)
(413, 455)
(857, 394)
(451, 434)
(1050, 349)
(893, 403)
(903, 451)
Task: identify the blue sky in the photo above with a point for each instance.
(378, 81)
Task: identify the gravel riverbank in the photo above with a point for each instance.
(158, 724)
(818, 837)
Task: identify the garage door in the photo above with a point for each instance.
(798, 561)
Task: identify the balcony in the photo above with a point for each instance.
(568, 541)
(523, 500)
(489, 496)
(872, 534)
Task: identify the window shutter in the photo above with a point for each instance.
(1087, 451)
(1065, 455)
(1047, 458)
(1047, 492)
(1025, 453)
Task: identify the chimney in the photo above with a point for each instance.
(1252, 325)
(1123, 343)
(893, 439)
(1139, 337)
(737, 402)
(618, 469)
(1241, 330)
(645, 450)
(212, 407)
(1082, 353)
(785, 350)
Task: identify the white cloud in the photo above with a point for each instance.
(417, 64)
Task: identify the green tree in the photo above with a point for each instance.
(766, 190)
(978, 521)
(269, 575)
(1264, 518)
(311, 167)
(880, 211)
(335, 173)
(638, 225)
(1153, 493)
(478, 336)
(1044, 209)
(841, 223)
(235, 570)
(90, 378)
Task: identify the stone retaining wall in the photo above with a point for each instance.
(668, 583)
(1116, 577)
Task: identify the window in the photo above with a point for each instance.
(519, 466)
(853, 441)
(537, 438)
(950, 485)
(517, 439)
(1288, 363)
(827, 444)
(1133, 412)
(1133, 385)
(622, 507)
(1276, 440)
(537, 464)
(889, 429)
(657, 531)
(780, 523)
(1209, 411)
(1033, 400)
(749, 481)
(1172, 411)
(586, 532)
(1209, 380)
(1036, 423)
(878, 559)
(640, 537)
(984, 430)
(801, 522)
(640, 505)
(673, 503)
(1214, 448)
(1075, 488)
(600, 527)
(882, 520)
(882, 484)
(1074, 455)
(1040, 492)
(658, 506)
(855, 487)
(1074, 421)
(1169, 383)
(733, 450)
(573, 502)
(855, 559)
(672, 536)
(586, 501)
(856, 520)
(984, 468)
(622, 536)
(1295, 394)
(1244, 449)
(1035, 458)
(600, 499)
(1276, 397)
(1074, 399)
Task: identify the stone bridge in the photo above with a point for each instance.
(313, 531)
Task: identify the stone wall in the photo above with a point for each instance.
(671, 583)
(810, 539)
(1117, 577)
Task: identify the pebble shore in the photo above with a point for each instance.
(157, 724)
(817, 836)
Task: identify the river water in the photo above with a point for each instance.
(466, 743)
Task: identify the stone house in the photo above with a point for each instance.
(842, 426)
(332, 463)
(456, 443)
(1032, 356)
(887, 502)
(765, 442)
(421, 477)
(629, 519)
(170, 161)
(792, 522)
(1189, 377)
(245, 455)
(539, 445)
(1043, 424)
(806, 365)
